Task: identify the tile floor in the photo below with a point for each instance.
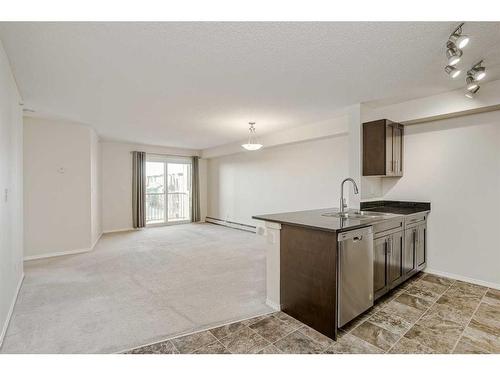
(425, 315)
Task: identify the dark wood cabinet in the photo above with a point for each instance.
(415, 248)
(379, 266)
(400, 251)
(388, 262)
(395, 262)
(308, 277)
(421, 246)
(409, 263)
(383, 142)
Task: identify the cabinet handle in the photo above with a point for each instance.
(389, 246)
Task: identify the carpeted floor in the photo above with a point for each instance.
(139, 287)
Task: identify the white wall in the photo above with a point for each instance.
(293, 177)
(455, 164)
(117, 180)
(95, 187)
(11, 192)
(58, 184)
(323, 129)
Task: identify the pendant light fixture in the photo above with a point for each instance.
(252, 144)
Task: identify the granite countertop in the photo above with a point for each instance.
(315, 219)
(396, 207)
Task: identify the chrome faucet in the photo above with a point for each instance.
(343, 204)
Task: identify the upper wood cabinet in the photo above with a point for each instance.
(383, 148)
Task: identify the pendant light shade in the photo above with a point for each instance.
(252, 144)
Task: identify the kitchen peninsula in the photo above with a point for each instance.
(310, 252)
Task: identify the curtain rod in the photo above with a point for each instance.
(177, 156)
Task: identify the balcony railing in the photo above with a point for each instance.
(178, 207)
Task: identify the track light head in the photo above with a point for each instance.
(453, 54)
(452, 71)
(459, 39)
(477, 71)
(480, 73)
(471, 83)
(472, 94)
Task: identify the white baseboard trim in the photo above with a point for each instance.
(57, 254)
(273, 305)
(11, 310)
(96, 241)
(118, 230)
(463, 278)
(231, 224)
(61, 253)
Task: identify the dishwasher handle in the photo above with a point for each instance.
(355, 235)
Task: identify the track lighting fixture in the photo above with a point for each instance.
(454, 45)
(477, 71)
(460, 40)
(471, 94)
(453, 54)
(452, 71)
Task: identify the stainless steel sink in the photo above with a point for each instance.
(355, 214)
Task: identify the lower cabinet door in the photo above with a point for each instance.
(379, 266)
(395, 259)
(420, 245)
(409, 261)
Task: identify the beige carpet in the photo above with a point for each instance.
(139, 287)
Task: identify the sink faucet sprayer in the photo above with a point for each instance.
(343, 204)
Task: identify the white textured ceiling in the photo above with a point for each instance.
(196, 85)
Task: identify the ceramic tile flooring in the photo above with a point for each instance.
(425, 315)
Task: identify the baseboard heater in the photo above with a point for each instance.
(231, 224)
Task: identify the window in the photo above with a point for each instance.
(168, 190)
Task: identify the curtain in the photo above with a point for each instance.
(195, 194)
(138, 189)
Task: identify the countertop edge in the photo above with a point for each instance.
(332, 230)
(316, 227)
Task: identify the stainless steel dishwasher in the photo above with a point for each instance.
(355, 273)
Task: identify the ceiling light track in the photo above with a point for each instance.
(456, 41)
